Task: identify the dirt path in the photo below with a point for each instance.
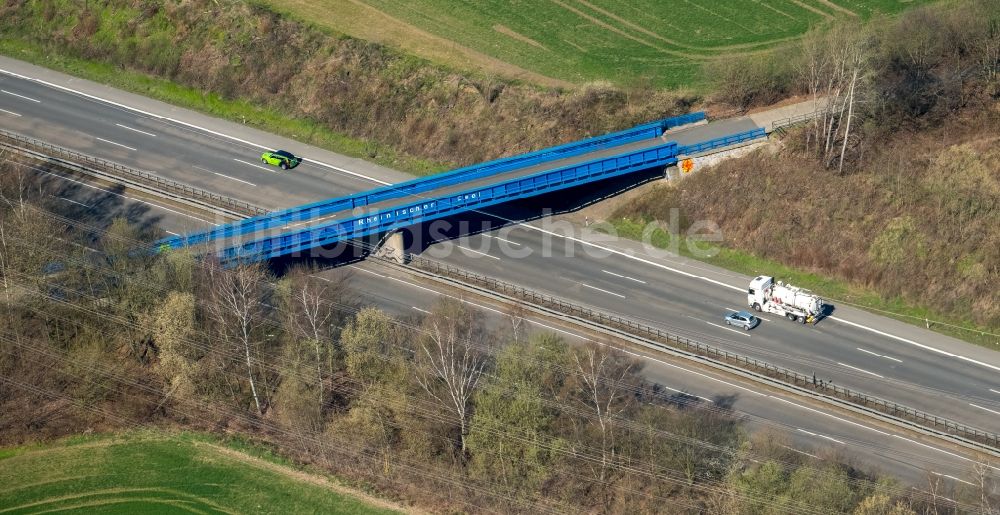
(313, 479)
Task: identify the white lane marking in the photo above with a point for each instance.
(224, 175)
(713, 281)
(254, 165)
(436, 292)
(744, 333)
(800, 452)
(372, 179)
(21, 96)
(119, 144)
(857, 424)
(623, 276)
(860, 370)
(804, 431)
(876, 331)
(477, 252)
(12, 113)
(366, 271)
(504, 240)
(421, 310)
(959, 456)
(879, 355)
(179, 122)
(632, 256)
(952, 477)
(126, 197)
(70, 200)
(994, 391)
(980, 363)
(911, 342)
(665, 387)
(985, 409)
(585, 285)
(814, 410)
(172, 233)
(934, 495)
(832, 439)
(136, 130)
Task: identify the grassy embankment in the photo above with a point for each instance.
(660, 42)
(153, 472)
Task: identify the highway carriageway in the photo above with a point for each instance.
(854, 348)
(813, 430)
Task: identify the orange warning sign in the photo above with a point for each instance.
(687, 165)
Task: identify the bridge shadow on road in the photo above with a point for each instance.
(418, 238)
(422, 236)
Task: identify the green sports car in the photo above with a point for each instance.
(280, 158)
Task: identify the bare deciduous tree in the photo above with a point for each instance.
(236, 306)
(985, 484)
(603, 372)
(518, 320)
(311, 313)
(835, 69)
(449, 364)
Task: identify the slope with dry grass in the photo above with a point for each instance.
(248, 52)
(919, 222)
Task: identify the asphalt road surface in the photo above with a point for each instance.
(853, 348)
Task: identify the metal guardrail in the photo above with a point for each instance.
(789, 376)
(784, 123)
(131, 174)
(636, 328)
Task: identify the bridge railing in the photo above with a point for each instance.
(638, 133)
(415, 212)
(425, 184)
(919, 417)
(129, 174)
(724, 141)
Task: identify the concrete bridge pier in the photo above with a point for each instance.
(392, 247)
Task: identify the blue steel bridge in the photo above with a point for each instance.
(452, 193)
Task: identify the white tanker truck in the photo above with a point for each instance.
(793, 303)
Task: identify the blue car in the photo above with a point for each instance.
(742, 319)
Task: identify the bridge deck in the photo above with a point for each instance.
(455, 188)
(684, 136)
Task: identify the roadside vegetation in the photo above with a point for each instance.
(251, 64)
(439, 412)
(894, 193)
(247, 61)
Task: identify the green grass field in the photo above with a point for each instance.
(575, 41)
(157, 473)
